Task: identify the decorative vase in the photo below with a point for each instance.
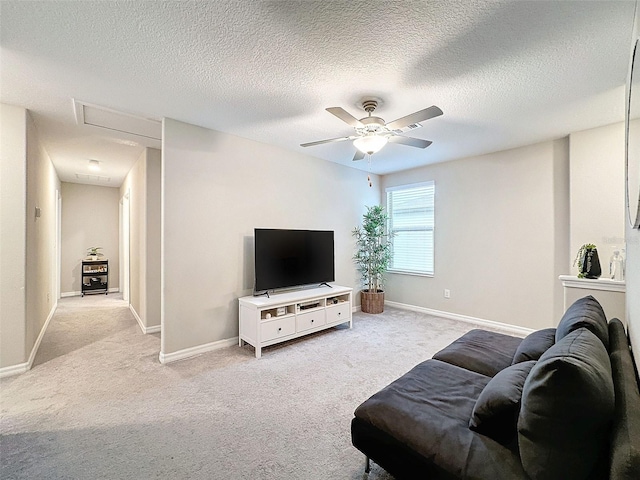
(590, 265)
(372, 302)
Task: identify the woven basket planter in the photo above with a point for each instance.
(372, 302)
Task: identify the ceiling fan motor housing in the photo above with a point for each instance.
(371, 124)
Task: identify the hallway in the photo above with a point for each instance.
(89, 323)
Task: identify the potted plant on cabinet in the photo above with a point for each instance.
(94, 252)
(372, 257)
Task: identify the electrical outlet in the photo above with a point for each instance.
(447, 293)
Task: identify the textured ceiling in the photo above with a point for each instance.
(504, 73)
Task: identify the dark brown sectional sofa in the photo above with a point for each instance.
(560, 404)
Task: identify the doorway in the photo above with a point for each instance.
(124, 246)
(57, 270)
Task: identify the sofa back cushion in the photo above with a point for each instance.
(625, 434)
(495, 413)
(534, 345)
(586, 313)
(566, 410)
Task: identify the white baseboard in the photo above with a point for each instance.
(515, 329)
(12, 370)
(355, 309)
(79, 293)
(145, 330)
(26, 366)
(138, 319)
(193, 351)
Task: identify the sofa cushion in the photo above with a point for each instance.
(495, 413)
(566, 411)
(586, 313)
(534, 345)
(425, 415)
(625, 433)
(481, 351)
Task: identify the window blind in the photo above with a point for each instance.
(411, 223)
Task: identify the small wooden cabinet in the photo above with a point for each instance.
(266, 321)
(95, 276)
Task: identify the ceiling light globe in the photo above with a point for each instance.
(370, 144)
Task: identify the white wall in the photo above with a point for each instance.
(27, 243)
(501, 236)
(143, 184)
(42, 184)
(89, 219)
(597, 191)
(13, 196)
(152, 252)
(216, 188)
(135, 185)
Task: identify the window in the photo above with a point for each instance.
(411, 222)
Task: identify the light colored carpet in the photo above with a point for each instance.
(98, 404)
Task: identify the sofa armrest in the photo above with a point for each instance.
(625, 432)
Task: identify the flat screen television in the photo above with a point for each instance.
(291, 258)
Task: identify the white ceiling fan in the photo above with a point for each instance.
(372, 133)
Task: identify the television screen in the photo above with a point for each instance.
(288, 258)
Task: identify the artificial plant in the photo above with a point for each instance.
(94, 251)
(373, 249)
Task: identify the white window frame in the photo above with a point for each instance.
(389, 190)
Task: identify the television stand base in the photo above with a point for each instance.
(281, 317)
(325, 283)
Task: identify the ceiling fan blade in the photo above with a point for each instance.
(330, 140)
(415, 117)
(358, 156)
(410, 141)
(345, 116)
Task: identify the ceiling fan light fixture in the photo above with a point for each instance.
(370, 144)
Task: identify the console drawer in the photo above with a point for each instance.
(306, 321)
(277, 328)
(339, 312)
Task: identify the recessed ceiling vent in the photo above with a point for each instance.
(92, 178)
(413, 126)
(102, 117)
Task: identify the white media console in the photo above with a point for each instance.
(266, 321)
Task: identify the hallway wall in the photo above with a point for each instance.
(42, 183)
(13, 195)
(28, 184)
(143, 184)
